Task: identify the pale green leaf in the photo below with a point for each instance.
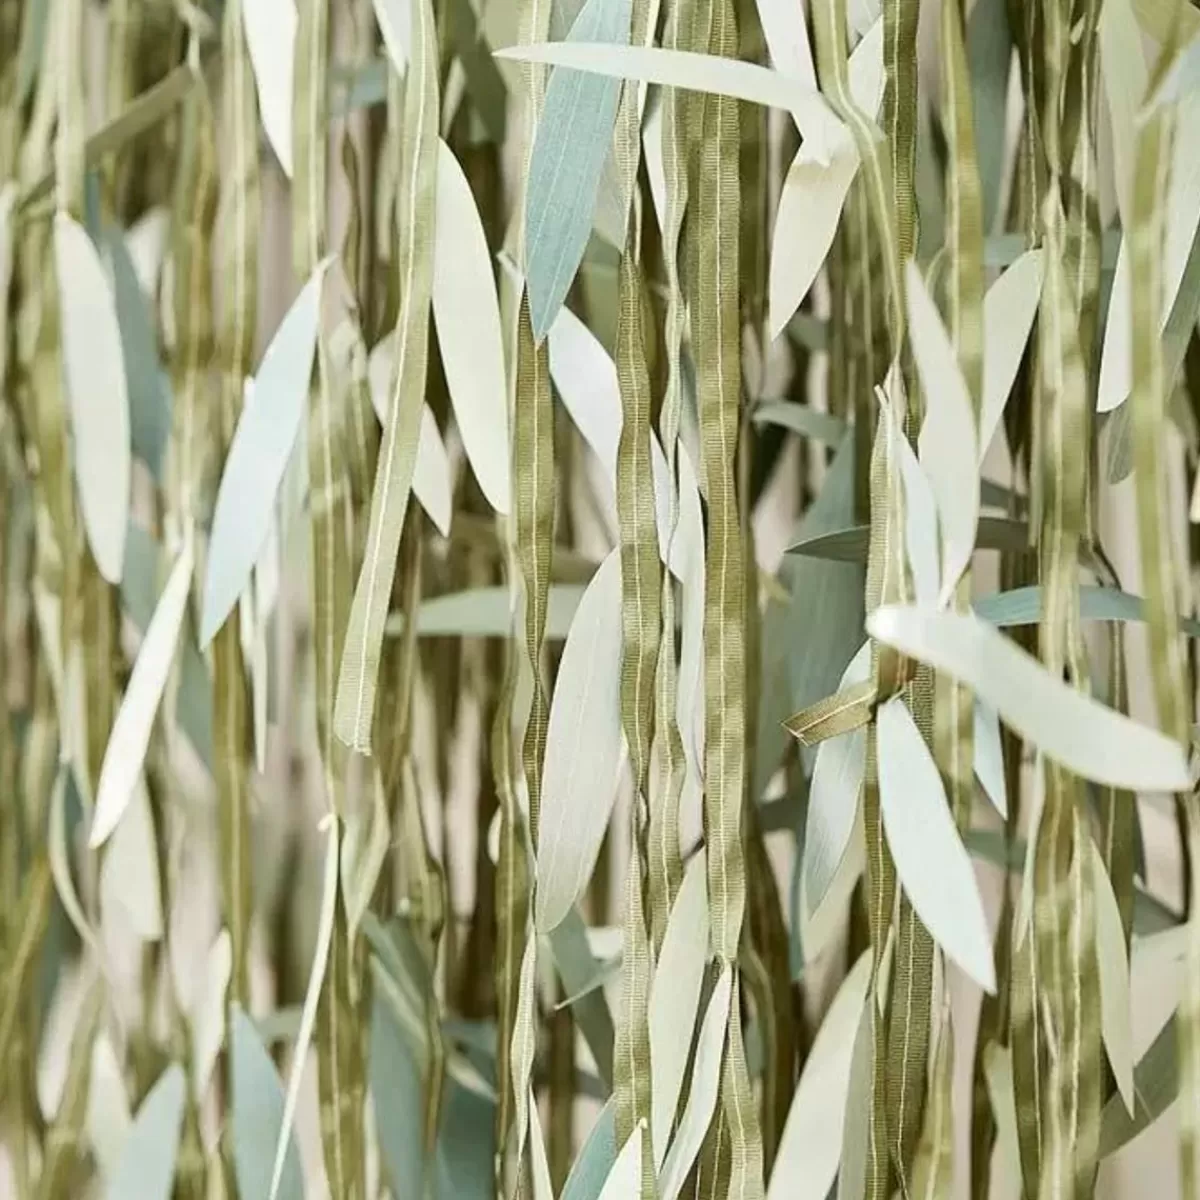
(702, 1096)
(932, 864)
(1023, 606)
(1083, 735)
(569, 152)
(1124, 75)
(130, 737)
(920, 520)
(258, 455)
(595, 1160)
(810, 1144)
(271, 40)
(851, 544)
(852, 1162)
(257, 1114)
(466, 314)
(312, 995)
(487, 612)
(989, 756)
(208, 1012)
(1009, 306)
(1112, 959)
(94, 377)
(431, 471)
(833, 796)
(998, 1076)
(147, 1164)
(585, 752)
(543, 1188)
(786, 34)
(675, 1000)
(947, 441)
(395, 25)
(802, 419)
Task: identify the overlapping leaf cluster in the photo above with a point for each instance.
(746, 697)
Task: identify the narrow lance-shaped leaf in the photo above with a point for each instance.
(1112, 960)
(467, 316)
(130, 738)
(271, 27)
(947, 440)
(569, 151)
(584, 748)
(94, 374)
(932, 864)
(1085, 736)
(809, 1147)
(258, 456)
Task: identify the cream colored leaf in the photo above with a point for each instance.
(833, 797)
(1124, 74)
(208, 1013)
(786, 34)
(395, 25)
(675, 1000)
(810, 208)
(947, 442)
(543, 1188)
(270, 27)
(1112, 960)
(312, 995)
(625, 1178)
(702, 1098)
(1083, 735)
(108, 1116)
(466, 314)
(129, 878)
(130, 737)
(865, 70)
(585, 749)
(920, 522)
(810, 1145)
(932, 864)
(1009, 307)
(998, 1076)
(97, 393)
(698, 72)
(819, 928)
(431, 471)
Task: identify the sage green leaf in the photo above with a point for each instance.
(989, 56)
(625, 1178)
(431, 471)
(702, 1096)
(466, 313)
(129, 872)
(585, 749)
(396, 1091)
(257, 1109)
(989, 756)
(1155, 1086)
(1023, 606)
(148, 387)
(147, 1164)
(932, 864)
(810, 208)
(810, 1145)
(675, 1000)
(1088, 738)
(130, 737)
(576, 966)
(1182, 222)
(569, 151)
(850, 544)
(487, 612)
(316, 977)
(708, 73)
(271, 39)
(1009, 307)
(1112, 960)
(800, 418)
(94, 375)
(259, 453)
(947, 441)
(595, 1161)
(856, 1125)
(833, 795)
(1124, 76)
